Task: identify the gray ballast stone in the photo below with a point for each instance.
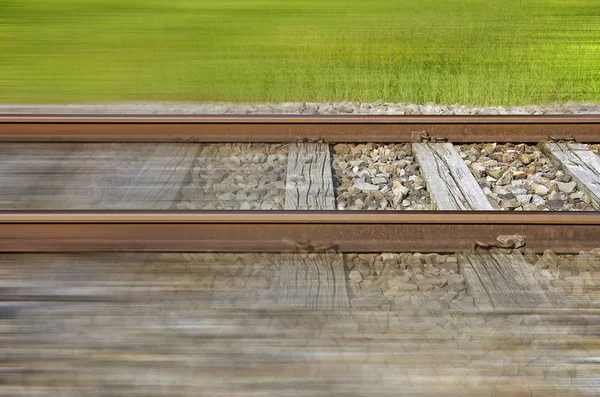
(300, 108)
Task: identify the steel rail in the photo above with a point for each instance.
(20, 128)
(304, 217)
(291, 231)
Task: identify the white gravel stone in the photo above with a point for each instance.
(392, 292)
(355, 276)
(365, 187)
(538, 200)
(400, 193)
(398, 280)
(566, 187)
(540, 190)
(406, 286)
(505, 179)
(524, 198)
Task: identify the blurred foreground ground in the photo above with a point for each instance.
(233, 324)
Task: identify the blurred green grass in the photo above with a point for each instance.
(477, 52)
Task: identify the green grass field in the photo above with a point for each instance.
(476, 52)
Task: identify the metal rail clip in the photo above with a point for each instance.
(509, 242)
(310, 246)
(480, 244)
(423, 136)
(300, 139)
(559, 139)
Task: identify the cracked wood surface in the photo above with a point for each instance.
(501, 282)
(87, 176)
(309, 183)
(313, 282)
(160, 178)
(449, 181)
(581, 163)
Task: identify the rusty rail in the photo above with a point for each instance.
(295, 128)
(284, 231)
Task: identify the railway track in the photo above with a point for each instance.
(92, 180)
(119, 273)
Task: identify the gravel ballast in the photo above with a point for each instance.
(519, 177)
(297, 108)
(569, 280)
(378, 177)
(237, 177)
(411, 284)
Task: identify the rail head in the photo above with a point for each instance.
(301, 217)
(295, 119)
(349, 128)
